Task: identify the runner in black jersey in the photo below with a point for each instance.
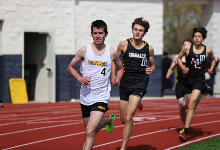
(195, 68)
(180, 85)
(136, 54)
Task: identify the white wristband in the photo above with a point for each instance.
(151, 70)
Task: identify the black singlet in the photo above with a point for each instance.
(196, 64)
(134, 62)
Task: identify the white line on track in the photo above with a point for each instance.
(22, 109)
(207, 137)
(102, 128)
(31, 114)
(152, 133)
(44, 140)
(40, 119)
(40, 128)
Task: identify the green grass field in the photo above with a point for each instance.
(210, 144)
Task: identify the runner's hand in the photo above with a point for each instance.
(210, 71)
(186, 70)
(148, 70)
(84, 80)
(169, 72)
(115, 82)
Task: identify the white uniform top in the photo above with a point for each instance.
(98, 68)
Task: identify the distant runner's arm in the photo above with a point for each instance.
(172, 67)
(181, 54)
(212, 57)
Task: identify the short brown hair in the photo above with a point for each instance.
(141, 22)
(187, 40)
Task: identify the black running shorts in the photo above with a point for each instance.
(180, 90)
(126, 92)
(197, 85)
(99, 106)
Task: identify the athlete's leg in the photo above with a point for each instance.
(123, 108)
(131, 108)
(93, 125)
(191, 107)
(198, 100)
(182, 108)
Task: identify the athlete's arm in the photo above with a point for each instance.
(71, 68)
(212, 57)
(182, 53)
(172, 67)
(120, 50)
(118, 65)
(152, 66)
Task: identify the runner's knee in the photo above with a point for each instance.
(90, 132)
(129, 119)
(191, 106)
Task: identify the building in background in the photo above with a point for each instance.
(38, 39)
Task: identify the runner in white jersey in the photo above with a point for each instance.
(98, 68)
(95, 66)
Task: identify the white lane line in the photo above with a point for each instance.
(103, 128)
(78, 115)
(192, 141)
(31, 114)
(39, 120)
(152, 133)
(40, 128)
(22, 109)
(44, 140)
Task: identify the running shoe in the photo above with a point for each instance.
(182, 131)
(109, 128)
(182, 137)
(140, 107)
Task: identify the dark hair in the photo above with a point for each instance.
(141, 22)
(165, 53)
(99, 24)
(187, 40)
(202, 30)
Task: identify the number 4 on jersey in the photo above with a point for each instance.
(103, 71)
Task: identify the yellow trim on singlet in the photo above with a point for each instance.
(133, 45)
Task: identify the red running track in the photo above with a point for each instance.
(59, 126)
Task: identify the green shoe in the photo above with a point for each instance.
(194, 111)
(181, 131)
(109, 128)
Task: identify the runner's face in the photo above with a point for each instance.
(198, 39)
(138, 32)
(98, 35)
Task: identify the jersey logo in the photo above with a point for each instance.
(202, 58)
(196, 63)
(90, 62)
(136, 55)
(144, 62)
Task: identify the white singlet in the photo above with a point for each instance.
(98, 68)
